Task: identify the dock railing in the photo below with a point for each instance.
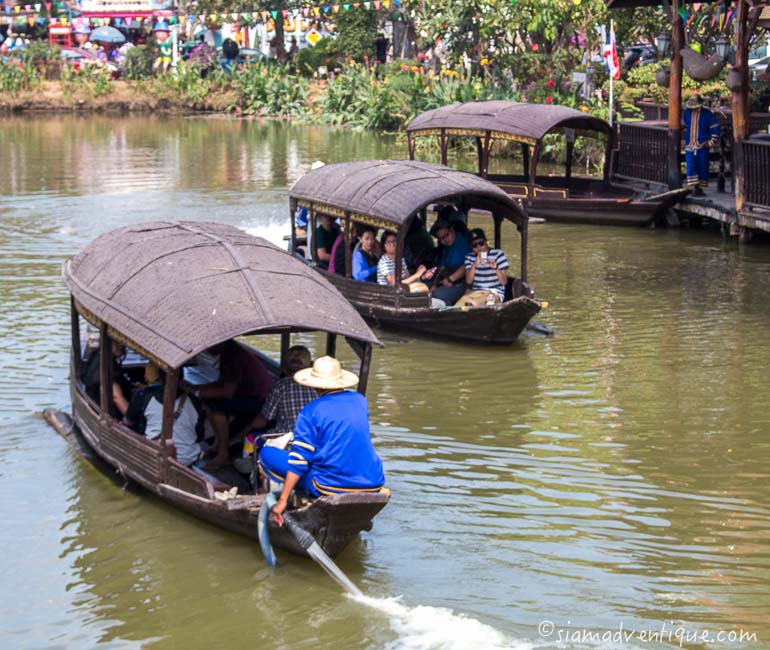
(756, 161)
(642, 151)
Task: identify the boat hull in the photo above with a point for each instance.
(498, 324)
(334, 521)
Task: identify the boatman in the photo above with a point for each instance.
(701, 132)
(332, 449)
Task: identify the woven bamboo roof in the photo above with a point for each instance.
(393, 190)
(177, 288)
(529, 122)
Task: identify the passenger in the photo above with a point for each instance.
(338, 255)
(332, 449)
(243, 386)
(449, 280)
(288, 397)
(485, 273)
(418, 245)
(386, 267)
(365, 257)
(145, 416)
(121, 384)
(325, 235)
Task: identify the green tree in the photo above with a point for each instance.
(356, 31)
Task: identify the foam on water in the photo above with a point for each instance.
(438, 628)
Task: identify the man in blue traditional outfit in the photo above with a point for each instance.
(701, 132)
(332, 448)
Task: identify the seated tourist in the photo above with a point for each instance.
(386, 267)
(243, 386)
(121, 384)
(449, 280)
(145, 416)
(288, 397)
(419, 248)
(485, 273)
(332, 449)
(325, 235)
(365, 257)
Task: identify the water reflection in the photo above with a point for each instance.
(617, 472)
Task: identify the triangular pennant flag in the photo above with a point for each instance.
(346, 7)
(234, 16)
(316, 11)
(202, 17)
(48, 6)
(397, 3)
(356, 5)
(326, 9)
(265, 16)
(41, 21)
(336, 9)
(367, 5)
(274, 13)
(305, 11)
(37, 7)
(285, 12)
(377, 4)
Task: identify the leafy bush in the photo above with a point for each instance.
(17, 75)
(325, 52)
(138, 63)
(270, 90)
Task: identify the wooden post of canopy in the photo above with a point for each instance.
(366, 360)
(77, 350)
(410, 145)
(675, 96)
(285, 344)
(105, 370)
(331, 345)
(444, 145)
(740, 100)
(293, 209)
(167, 425)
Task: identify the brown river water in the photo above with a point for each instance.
(604, 488)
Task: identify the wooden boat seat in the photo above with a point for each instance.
(548, 193)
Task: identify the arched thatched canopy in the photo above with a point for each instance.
(392, 191)
(504, 119)
(176, 288)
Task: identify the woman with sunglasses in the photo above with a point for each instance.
(485, 272)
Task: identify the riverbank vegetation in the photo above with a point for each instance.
(543, 51)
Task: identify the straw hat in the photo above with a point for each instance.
(694, 101)
(326, 373)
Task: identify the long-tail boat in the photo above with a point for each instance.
(566, 197)
(169, 291)
(391, 195)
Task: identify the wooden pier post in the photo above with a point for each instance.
(674, 165)
(739, 88)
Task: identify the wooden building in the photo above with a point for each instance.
(650, 151)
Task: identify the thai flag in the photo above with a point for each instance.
(610, 54)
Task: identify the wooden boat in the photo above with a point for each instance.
(568, 197)
(389, 195)
(169, 291)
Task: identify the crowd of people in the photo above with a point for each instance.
(460, 268)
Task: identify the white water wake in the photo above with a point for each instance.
(438, 628)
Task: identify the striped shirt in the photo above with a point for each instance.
(485, 276)
(387, 266)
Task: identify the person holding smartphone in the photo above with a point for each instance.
(485, 273)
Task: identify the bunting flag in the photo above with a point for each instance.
(305, 11)
(377, 4)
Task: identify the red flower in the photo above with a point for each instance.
(551, 83)
(549, 100)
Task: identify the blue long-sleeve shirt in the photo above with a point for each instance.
(361, 269)
(332, 443)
